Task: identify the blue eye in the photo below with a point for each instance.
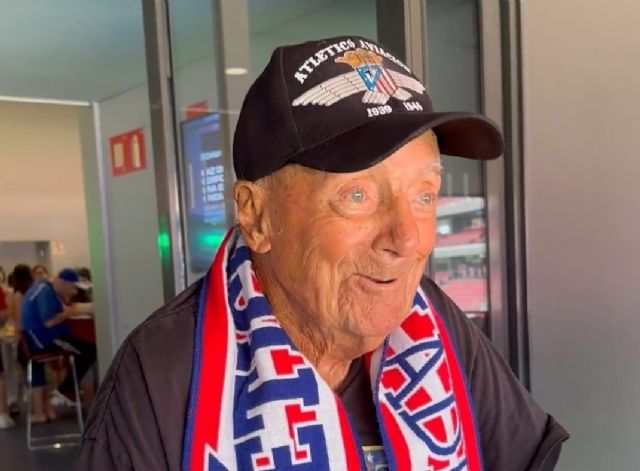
(427, 199)
(357, 196)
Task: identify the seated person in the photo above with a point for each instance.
(44, 317)
(83, 327)
(85, 287)
(22, 280)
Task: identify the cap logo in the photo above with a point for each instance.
(378, 83)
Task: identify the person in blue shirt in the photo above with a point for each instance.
(44, 325)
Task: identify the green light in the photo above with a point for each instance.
(163, 241)
(212, 240)
(164, 245)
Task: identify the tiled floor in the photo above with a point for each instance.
(15, 456)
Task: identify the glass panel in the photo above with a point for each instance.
(454, 79)
(459, 260)
(459, 263)
(204, 165)
(78, 165)
(63, 55)
(218, 49)
(280, 22)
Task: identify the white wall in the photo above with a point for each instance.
(98, 240)
(133, 216)
(582, 166)
(13, 253)
(129, 283)
(41, 184)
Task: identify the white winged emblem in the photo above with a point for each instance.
(369, 76)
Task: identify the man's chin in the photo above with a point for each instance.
(380, 324)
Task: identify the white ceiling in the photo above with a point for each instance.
(67, 50)
(79, 50)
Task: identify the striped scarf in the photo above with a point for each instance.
(256, 403)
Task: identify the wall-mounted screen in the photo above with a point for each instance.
(206, 176)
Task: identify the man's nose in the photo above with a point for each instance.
(399, 236)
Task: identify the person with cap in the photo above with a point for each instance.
(315, 342)
(44, 327)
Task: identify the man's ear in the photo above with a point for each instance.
(250, 201)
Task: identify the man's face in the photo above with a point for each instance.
(349, 249)
(65, 289)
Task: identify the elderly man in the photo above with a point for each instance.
(315, 342)
(44, 317)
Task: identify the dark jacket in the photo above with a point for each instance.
(138, 419)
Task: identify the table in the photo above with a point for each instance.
(83, 328)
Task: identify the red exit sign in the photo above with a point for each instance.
(128, 153)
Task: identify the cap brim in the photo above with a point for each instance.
(461, 134)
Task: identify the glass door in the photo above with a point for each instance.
(218, 49)
(480, 239)
(459, 262)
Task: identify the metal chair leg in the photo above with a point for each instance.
(29, 401)
(76, 387)
(53, 441)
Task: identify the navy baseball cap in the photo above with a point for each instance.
(342, 105)
(69, 275)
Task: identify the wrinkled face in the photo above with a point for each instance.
(65, 289)
(349, 249)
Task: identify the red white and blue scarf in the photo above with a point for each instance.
(257, 403)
